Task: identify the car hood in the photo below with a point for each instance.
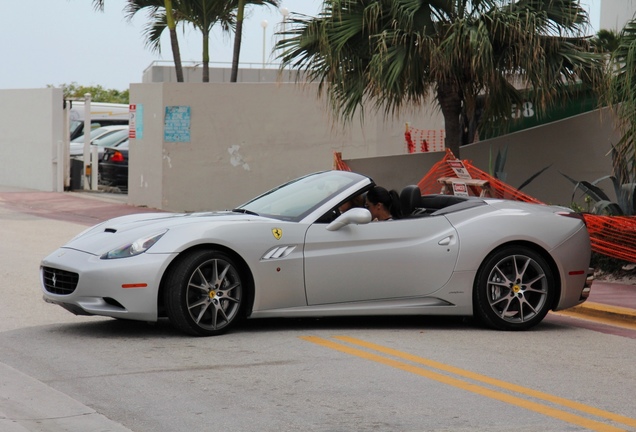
(116, 232)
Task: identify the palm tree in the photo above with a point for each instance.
(606, 41)
(240, 14)
(134, 6)
(621, 94)
(395, 53)
(202, 15)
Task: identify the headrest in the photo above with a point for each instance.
(410, 199)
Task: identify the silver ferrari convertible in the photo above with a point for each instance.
(291, 253)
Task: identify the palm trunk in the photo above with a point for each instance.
(206, 56)
(174, 43)
(176, 55)
(238, 36)
(451, 105)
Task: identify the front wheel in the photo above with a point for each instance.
(514, 289)
(204, 293)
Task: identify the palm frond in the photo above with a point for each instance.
(394, 53)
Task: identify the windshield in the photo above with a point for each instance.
(74, 125)
(296, 199)
(97, 132)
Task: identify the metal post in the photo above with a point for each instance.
(285, 13)
(66, 145)
(264, 25)
(59, 167)
(87, 138)
(94, 167)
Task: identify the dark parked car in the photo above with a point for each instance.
(113, 166)
(102, 137)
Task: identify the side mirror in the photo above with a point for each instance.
(357, 215)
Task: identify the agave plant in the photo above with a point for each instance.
(498, 172)
(624, 183)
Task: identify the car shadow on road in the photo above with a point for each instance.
(118, 328)
(356, 323)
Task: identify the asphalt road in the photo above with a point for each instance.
(65, 373)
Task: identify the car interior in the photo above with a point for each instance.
(415, 205)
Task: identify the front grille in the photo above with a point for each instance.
(58, 281)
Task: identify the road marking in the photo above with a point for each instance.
(484, 391)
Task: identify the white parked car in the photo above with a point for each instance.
(105, 136)
(291, 253)
(102, 114)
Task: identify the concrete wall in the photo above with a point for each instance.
(31, 127)
(616, 13)
(577, 146)
(245, 138)
(157, 73)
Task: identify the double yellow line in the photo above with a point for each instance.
(372, 350)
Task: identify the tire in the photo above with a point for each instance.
(514, 289)
(204, 293)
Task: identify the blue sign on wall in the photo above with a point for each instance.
(177, 124)
(139, 127)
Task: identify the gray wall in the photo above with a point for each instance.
(577, 146)
(616, 13)
(31, 129)
(157, 73)
(245, 138)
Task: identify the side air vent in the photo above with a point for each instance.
(110, 230)
(279, 252)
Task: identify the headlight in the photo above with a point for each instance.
(135, 248)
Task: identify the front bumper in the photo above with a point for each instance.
(120, 288)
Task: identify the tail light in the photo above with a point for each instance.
(117, 157)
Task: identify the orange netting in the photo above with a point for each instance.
(338, 163)
(429, 183)
(424, 140)
(613, 236)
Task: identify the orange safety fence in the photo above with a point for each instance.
(338, 163)
(613, 236)
(424, 140)
(429, 184)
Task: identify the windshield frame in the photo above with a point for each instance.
(299, 198)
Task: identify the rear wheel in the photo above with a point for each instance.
(204, 293)
(514, 289)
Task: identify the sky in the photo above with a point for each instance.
(57, 42)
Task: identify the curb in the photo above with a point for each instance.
(618, 315)
(31, 405)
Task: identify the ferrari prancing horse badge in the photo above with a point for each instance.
(278, 233)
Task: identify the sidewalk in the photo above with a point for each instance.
(609, 300)
(27, 404)
(84, 207)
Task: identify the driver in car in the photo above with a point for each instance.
(383, 204)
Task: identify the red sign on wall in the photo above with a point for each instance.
(132, 121)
